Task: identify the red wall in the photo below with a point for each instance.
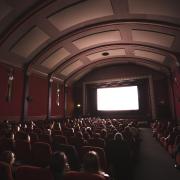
(162, 99)
(176, 88)
(70, 102)
(55, 109)
(12, 108)
(38, 91)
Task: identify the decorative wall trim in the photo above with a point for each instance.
(10, 118)
(35, 118)
(56, 117)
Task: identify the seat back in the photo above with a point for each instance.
(100, 152)
(82, 176)
(23, 151)
(72, 155)
(41, 154)
(5, 171)
(6, 144)
(60, 139)
(177, 158)
(32, 173)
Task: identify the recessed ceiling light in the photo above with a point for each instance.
(105, 54)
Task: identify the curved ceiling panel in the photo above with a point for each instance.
(82, 12)
(87, 69)
(30, 42)
(98, 38)
(155, 7)
(149, 55)
(55, 58)
(157, 38)
(74, 66)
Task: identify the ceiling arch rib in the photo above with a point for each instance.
(117, 51)
(75, 76)
(164, 41)
(57, 42)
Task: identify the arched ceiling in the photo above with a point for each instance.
(68, 38)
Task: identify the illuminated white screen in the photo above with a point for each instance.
(118, 98)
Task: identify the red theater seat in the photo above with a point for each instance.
(5, 171)
(100, 152)
(23, 151)
(177, 158)
(33, 173)
(60, 139)
(41, 153)
(6, 144)
(82, 176)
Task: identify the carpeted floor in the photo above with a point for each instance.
(154, 162)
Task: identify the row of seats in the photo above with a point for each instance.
(168, 135)
(26, 172)
(63, 137)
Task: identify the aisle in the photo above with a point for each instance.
(154, 161)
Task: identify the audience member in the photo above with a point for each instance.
(118, 156)
(59, 165)
(91, 164)
(8, 157)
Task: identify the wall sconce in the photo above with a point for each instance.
(10, 85)
(176, 82)
(58, 95)
(50, 80)
(29, 98)
(78, 105)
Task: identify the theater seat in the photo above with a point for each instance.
(6, 144)
(5, 171)
(33, 173)
(41, 153)
(177, 158)
(23, 151)
(59, 139)
(72, 155)
(100, 152)
(73, 175)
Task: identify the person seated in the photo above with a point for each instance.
(91, 164)
(8, 157)
(59, 165)
(119, 157)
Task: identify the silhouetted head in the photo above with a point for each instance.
(118, 137)
(8, 157)
(91, 162)
(59, 162)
